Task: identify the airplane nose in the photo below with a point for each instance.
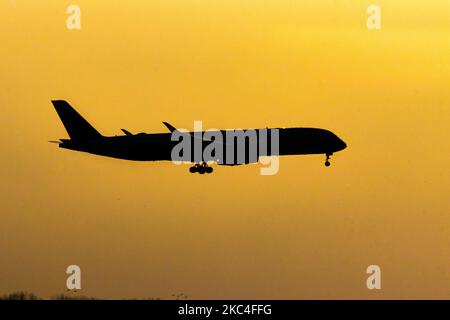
(341, 145)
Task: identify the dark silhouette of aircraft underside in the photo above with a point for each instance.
(158, 146)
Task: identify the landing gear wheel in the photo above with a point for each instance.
(327, 162)
(201, 168)
(195, 168)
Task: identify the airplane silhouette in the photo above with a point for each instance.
(158, 146)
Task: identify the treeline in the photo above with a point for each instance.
(23, 295)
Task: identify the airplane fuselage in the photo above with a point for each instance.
(159, 146)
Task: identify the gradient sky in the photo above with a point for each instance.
(152, 229)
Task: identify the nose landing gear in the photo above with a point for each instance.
(201, 168)
(327, 162)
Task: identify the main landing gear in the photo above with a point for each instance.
(201, 168)
(327, 160)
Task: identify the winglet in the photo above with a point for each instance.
(170, 127)
(127, 133)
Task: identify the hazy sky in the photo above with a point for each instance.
(153, 229)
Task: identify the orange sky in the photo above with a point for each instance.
(153, 229)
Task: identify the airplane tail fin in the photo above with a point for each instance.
(77, 127)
